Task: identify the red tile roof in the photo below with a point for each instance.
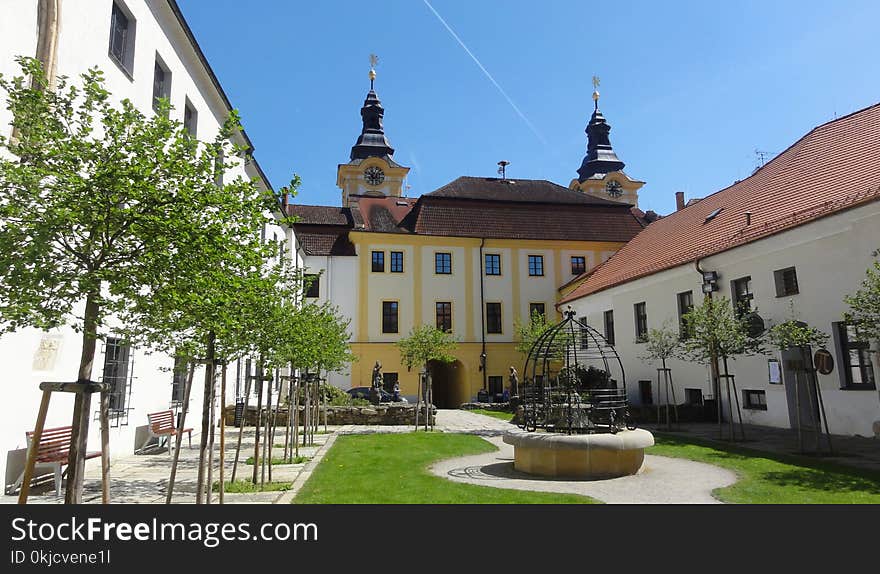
(500, 220)
(834, 167)
(515, 190)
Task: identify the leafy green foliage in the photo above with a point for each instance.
(662, 344)
(865, 304)
(793, 334)
(103, 203)
(311, 336)
(716, 330)
(426, 343)
(526, 333)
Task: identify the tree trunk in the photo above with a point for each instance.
(295, 414)
(180, 426)
(243, 422)
(206, 416)
(259, 416)
(76, 459)
(222, 430)
(210, 481)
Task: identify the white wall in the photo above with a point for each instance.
(339, 277)
(83, 43)
(830, 256)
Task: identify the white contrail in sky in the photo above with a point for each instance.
(488, 75)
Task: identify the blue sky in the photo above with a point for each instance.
(691, 89)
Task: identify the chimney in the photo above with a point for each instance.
(748, 218)
(679, 200)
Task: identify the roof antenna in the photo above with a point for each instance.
(502, 169)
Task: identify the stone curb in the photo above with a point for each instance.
(286, 497)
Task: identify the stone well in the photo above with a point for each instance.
(587, 456)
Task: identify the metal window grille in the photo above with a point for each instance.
(118, 372)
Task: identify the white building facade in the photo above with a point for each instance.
(793, 239)
(145, 49)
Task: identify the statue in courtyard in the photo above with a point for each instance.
(514, 381)
(376, 380)
(376, 384)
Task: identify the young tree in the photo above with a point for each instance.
(423, 345)
(100, 205)
(526, 333)
(865, 304)
(661, 345)
(716, 331)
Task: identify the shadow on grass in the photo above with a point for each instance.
(799, 472)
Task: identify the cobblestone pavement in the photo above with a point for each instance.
(661, 480)
(447, 420)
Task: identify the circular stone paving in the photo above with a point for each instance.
(661, 480)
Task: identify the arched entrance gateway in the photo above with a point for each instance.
(448, 384)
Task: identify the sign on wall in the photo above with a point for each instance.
(775, 372)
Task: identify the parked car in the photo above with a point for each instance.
(364, 393)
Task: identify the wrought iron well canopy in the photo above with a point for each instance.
(574, 382)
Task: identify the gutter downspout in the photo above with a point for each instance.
(713, 364)
(483, 317)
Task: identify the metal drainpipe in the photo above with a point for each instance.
(713, 364)
(483, 316)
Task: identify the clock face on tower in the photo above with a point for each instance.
(374, 175)
(613, 188)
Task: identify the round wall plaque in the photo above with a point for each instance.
(824, 361)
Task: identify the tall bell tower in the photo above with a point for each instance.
(371, 169)
(601, 173)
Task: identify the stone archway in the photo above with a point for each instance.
(448, 384)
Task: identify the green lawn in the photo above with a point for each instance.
(392, 469)
(280, 460)
(766, 478)
(246, 486)
(494, 414)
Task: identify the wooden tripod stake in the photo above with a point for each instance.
(80, 388)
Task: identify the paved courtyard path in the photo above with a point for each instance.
(144, 478)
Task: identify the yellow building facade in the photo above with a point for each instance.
(474, 257)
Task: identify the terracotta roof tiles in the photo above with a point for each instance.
(834, 167)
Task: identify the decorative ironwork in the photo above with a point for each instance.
(573, 382)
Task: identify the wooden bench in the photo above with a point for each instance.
(52, 453)
(161, 425)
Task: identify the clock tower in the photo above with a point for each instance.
(371, 169)
(601, 173)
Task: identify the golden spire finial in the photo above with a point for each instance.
(596, 90)
(374, 59)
